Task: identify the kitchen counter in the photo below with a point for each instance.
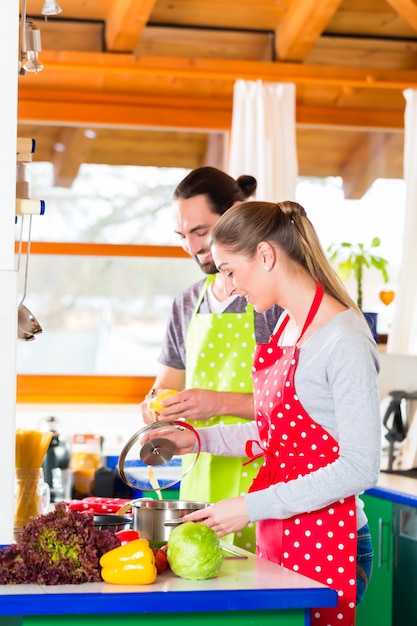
(396, 488)
(250, 591)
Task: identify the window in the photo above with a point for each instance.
(105, 266)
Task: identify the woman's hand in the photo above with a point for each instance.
(183, 437)
(224, 517)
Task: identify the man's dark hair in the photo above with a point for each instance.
(221, 190)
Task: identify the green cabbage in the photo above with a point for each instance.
(194, 551)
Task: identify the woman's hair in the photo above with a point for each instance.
(220, 189)
(286, 226)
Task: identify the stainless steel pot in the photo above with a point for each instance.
(149, 516)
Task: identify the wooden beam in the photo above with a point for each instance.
(82, 389)
(367, 162)
(124, 67)
(125, 23)
(104, 249)
(407, 9)
(85, 109)
(56, 108)
(71, 151)
(301, 26)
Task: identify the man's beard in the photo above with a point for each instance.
(208, 267)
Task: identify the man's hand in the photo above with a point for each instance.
(200, 404)
(192, 404)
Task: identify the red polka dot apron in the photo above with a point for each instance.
(319, 544)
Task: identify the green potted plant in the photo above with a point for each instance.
(354, 259)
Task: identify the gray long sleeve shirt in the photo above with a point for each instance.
(337, 382)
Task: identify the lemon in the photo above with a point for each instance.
(160, 395)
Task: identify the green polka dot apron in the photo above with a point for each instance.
(219, 349)
(319, 544)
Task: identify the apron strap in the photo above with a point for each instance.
(318, 297)
(250, 453)
(210, 278)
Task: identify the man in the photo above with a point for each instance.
(209, 342)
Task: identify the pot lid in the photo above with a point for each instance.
(148, 461)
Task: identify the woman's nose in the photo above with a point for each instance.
(229, 287)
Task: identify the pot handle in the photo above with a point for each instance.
(174, 522)
(126, 507)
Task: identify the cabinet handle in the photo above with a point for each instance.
(381, 525)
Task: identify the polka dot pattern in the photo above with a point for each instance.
(319, 544)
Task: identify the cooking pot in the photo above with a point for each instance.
(154, 519)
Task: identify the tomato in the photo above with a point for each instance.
(161, 561)
(124, 536)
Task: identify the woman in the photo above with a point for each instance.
(213, 377)
(317, 419)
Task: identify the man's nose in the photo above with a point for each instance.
(193, 245)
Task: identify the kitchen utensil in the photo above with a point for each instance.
(232, 554)
(150, 516)
(28, 326)
(112, 522)
(149, 453)
(57, 457)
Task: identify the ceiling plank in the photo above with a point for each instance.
(215, 154)
(125, 23)
(407, 9)
(301, 26)
(71, 151)
(197, 42)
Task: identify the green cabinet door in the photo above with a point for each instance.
(376, 606)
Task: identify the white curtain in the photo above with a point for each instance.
(402, 338)
(263, 138)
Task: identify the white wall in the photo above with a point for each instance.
(397, 372)
(8, 274)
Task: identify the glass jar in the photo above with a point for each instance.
(32, 495)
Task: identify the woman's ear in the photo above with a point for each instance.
(267, 255)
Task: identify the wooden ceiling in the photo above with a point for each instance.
(150, 82)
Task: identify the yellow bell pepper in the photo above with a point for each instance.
(130, 564)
